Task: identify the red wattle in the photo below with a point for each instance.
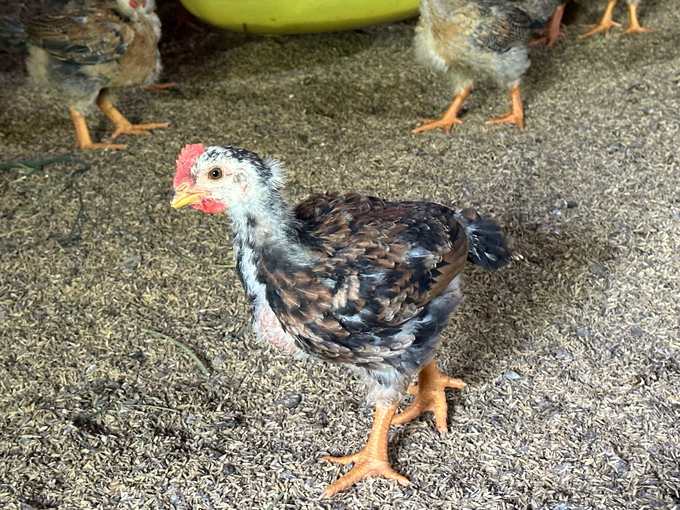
(209, 206)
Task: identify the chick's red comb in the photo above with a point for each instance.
(186, 159)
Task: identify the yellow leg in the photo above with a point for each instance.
(449, 118)
(634, 27)
(516, 116)
(430, 396)
(552, 31)
(605, 24)
(372, 460)
(84, 142)
(124, 126)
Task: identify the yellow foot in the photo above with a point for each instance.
(372, 460)
(636, 30)
(551, 33)
(450, 117)
(161, 88)
(517, 120)
(516, 116)
(125, 127)
(430, 396)
(83, 140)
(445, 124)
(549, 40)
(365, 465)
(605, 24)
(602, 27)
(634, 26)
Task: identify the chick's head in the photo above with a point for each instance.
(214, 179)
(128, 7)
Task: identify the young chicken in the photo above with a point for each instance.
(349, 278)
(470, 39)
(606, 23)
(86, 54)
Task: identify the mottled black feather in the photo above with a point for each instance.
(488, 247)
(502, 25)
(12, 34)
(394, 254)
(505, 26)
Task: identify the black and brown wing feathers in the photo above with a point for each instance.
(378, 265)
(502, 26)
(417, 248)
(84, 37)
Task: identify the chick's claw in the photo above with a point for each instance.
(636, 30)
(365, 465)
(124, 126)
(444, 123)
(511, 118)
(372, 460)
(634, 27)
(601, 27)
(84, 141)
(516, 116)
(430, 396)
(450, 117)
(128, 128)
(605, 24)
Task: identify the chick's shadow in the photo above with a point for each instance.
(507, 311)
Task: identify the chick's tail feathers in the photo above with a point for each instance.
(12, 33)
(487, 245)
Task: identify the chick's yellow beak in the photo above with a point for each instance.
(185, 195)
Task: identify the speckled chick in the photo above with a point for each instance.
(349, 278)
(479, 39)
(88, 53)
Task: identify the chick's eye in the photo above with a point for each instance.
(215, 174)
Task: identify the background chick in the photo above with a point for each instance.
(87, 53)
(473, 39)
